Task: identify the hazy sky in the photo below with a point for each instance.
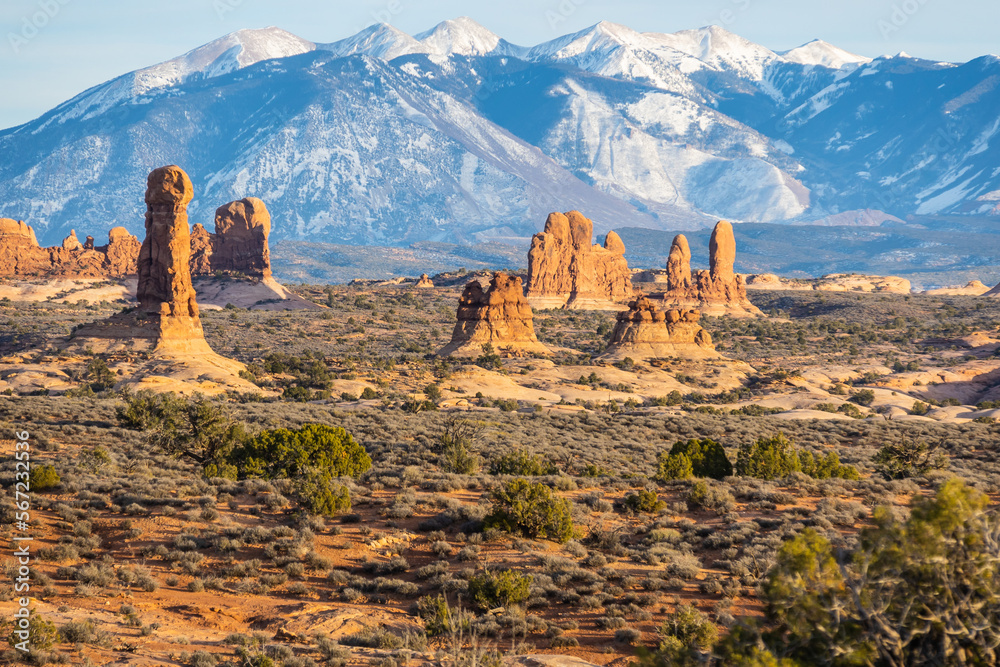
(82, 43)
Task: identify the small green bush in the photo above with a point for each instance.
(773, 458)
(684, 633)
(438, 617)
(711, 496)
(42, 634)
(906, 458)
(767, 458)
(644, 500)
(708, 458)
(321, 494)
(530, 509)
(521, 462)
(43, 477)
(672, 466)
(288, 453)
(864, 397)
(826, 467)
(499, 589)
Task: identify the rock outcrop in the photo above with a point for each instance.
(165, 328)
(240, 241)
(21, 256)
(566, 270)
(201, 251)
(717, 291)
(71, 242)
(498, 315)
(425, 281)
(644, 332)
(237, 248)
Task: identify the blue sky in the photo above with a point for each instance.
(83, 43)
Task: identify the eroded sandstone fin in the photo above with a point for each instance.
(717, 291)
(679, 264)
(566, 270)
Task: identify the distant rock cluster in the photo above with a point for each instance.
(21, 256)
(566, 270)
(498, 315)
(644, 332)
(238, 248)
(717, 291)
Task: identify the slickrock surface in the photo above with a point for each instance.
(564, 269)
(842, 282)
(971, 288)
(718, 291)
(498, 315)
(643, 332)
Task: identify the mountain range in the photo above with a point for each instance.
(456, 135)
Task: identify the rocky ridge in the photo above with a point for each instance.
(21, 256)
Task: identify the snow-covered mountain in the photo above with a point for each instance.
(456, 134)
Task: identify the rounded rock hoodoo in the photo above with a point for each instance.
(498, 315)
(240, 243)
(645, 332)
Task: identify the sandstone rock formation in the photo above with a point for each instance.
(717, 291)
(565, 270)
(238, 247)
(763, 280)
(643, 332)
(165, 328)
(201, 251)
(240, 241)
(679, 263)
(21, 256)
(425, 281)
(498, 315)
(71, 242)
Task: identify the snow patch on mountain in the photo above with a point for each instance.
(823, 54)
(236, 50)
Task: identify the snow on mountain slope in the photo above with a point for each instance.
(654, 149)
(823, 54)
(378, 41)
(348, 149)
(721, 50)
(465, 37)
(456, 134)
(232, 52)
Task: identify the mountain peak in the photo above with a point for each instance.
(818, 52)
(379, 40)
(462, 36)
